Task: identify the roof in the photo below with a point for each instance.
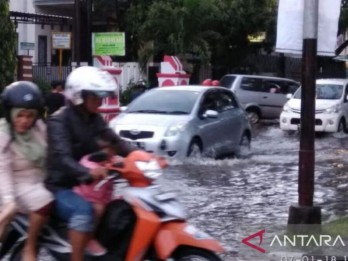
(190, 88)
(28, 18)
(260, 76)
(334, 80)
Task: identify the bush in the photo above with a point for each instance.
(126, 95)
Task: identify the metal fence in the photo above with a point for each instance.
(47, 73)
(273, 65)
(131, 73)
(291, 67)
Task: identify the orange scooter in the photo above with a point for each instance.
(143, 223)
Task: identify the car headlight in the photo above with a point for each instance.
(334, 109)
(175, 129)
(151, 169)
(286, 108)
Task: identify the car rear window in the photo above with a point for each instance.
(227, 81)
(164, 102)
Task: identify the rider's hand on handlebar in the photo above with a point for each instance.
(98, 173)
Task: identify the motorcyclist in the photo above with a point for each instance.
(22, 161)
(72, 133)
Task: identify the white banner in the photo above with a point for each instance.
(290, 26)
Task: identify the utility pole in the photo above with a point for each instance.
(77, 32)
(305, 212)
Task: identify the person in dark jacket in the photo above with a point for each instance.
(73, 133)
(55, 99)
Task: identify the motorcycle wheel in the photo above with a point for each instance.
(194, 254)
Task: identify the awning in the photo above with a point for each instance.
(27, 18)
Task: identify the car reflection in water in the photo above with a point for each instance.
(183, 121)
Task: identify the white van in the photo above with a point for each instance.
(331, 107)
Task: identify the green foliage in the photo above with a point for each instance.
(198, 31)
(126, 95)
(343, 22)
(7, 46)
(175, 27)
(239, 19)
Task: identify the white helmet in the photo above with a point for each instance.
(92, 79)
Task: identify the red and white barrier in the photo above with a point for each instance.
(111, 105)
(172, 72)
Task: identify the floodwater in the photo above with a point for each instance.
(228, 197)
(232, 197)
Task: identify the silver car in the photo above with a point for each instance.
(183, 121)
(263, 97)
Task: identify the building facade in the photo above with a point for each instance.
(35, 21)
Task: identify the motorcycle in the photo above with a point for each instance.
(143, 223)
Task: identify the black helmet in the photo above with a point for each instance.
(21, 94)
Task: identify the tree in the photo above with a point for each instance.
(202, 30)
(178, 28)
(238, 20)
(7, 46)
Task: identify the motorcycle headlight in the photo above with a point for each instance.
(286, 108)
(151, 169)
(175, 129)
(333, 109)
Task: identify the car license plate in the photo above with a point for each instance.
(138, 144)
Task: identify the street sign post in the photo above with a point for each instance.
(61, 41)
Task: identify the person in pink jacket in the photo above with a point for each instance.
(22, 161)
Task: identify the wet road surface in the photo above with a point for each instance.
(227, 197)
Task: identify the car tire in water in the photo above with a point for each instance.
(253, 115)
(244, 145)
(342, 126)
(193, 254)
(194, 149)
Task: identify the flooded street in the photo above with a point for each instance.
(227, 197)
(233, 198)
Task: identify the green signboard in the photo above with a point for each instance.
(112, 43)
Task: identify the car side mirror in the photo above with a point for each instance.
(289, 96)
(123, 108)
(211, 114)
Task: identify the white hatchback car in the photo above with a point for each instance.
(180, 121)
(331, 107)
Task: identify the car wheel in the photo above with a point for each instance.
(342, 126)
(244, 145)
(194, 149)
(253, 115)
